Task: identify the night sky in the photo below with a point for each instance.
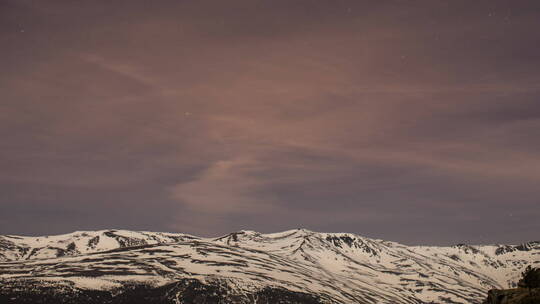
(410, 121)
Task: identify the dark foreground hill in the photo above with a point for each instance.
(184, 291)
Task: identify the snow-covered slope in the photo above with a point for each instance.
(334, 267)
(14, 248)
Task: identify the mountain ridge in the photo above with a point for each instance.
(334, 267)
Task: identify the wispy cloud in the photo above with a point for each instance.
(227, 186)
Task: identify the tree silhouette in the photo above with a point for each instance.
(530, 278)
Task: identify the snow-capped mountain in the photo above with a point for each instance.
(16, 248)
(296, 266)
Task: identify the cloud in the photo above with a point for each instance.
(227, 186)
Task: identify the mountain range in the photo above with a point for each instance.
(295, 266)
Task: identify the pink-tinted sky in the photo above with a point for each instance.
(413, 121)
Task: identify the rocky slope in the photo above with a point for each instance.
(296, 266)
